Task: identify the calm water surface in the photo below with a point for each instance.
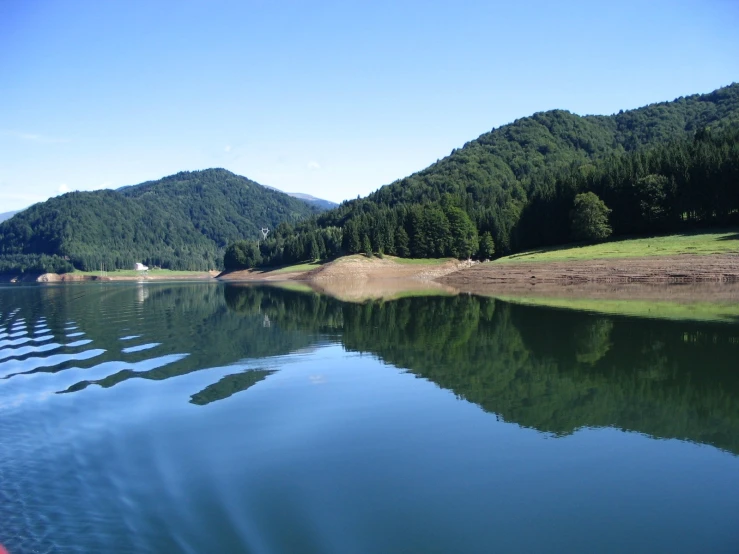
(209, 418)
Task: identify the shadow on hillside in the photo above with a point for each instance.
(529, 253)
(735, 236)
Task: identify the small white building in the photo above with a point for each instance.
(140, 267)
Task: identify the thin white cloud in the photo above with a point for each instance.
(64, 187)
(314, 166)
(228, 148)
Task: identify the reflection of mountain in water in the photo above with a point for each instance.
(552, 370)
(548, 369)
(188, 325)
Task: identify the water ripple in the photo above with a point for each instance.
(10, 353)
(32, 364)
(140, 347)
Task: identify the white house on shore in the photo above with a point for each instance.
(141, 267)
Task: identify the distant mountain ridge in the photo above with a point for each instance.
(7, 215)
(320, 202)
(183, 221)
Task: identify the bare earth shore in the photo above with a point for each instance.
(358, 278)
(684, 278)
(354, 269)
(715, 268)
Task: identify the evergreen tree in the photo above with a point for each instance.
(315, 253)
(464, 240)
(487, 247)
(402, 243)
(367, 246)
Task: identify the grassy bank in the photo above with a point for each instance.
(306, 266)
(697, 243)
(419, 261)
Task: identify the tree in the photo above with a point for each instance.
(351, 234)
(464, 240)
(402, 243)
(242, 255)
(315, 252)
(487, 247)
(652, 191)
(367, 246)
(589, 218)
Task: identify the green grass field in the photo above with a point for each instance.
(714, 242)
(418, 261)
(307, 266)
(698, 311)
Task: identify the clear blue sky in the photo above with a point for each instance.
(334, 99)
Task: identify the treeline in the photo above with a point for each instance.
(34, 264)
(667, 188)
(181, 222)
(419, 231)
(682, 184)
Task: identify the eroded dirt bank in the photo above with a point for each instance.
(354, 269)
(718, 268)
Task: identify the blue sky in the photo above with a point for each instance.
(334, 99)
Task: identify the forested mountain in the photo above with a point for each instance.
(663, 167)
(183, 221)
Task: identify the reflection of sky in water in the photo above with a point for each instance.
(460, 425)
(140, 347)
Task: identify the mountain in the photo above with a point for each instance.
(183, 221)
(515, 185)
(319, 202)
(7, 215)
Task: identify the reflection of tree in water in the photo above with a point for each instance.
(229, 385)
(553, 370)
(593, 341)
(185, 319)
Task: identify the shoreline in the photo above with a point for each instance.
(359, 272)
(655, 270)
(86, 278)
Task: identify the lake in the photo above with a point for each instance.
(198, 417)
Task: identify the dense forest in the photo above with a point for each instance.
(661, 168)
(184, 222)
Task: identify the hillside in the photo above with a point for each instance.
(183, 221)
(663, 167)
